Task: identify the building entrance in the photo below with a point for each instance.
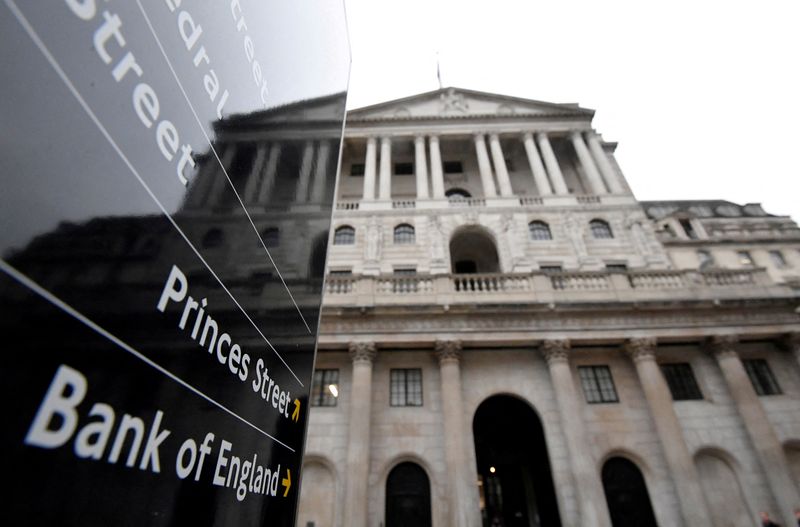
(516, 485)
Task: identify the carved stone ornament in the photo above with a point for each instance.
(363, 352)
(640, 349)
(555, 350)
(723, 346)
(448, 350)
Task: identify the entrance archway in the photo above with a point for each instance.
(408, 497)
(472, 250)
(516, 484)
(626, 494)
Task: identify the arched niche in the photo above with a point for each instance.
(473, 250)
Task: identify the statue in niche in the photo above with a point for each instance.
(639, 235)
(575, 232)
(436, 237)
(374, 239)
(453, 101)
(507, 225)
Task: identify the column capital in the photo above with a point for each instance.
(526, 136)
(555, 351)
(641, 349)
(362, 352)
(419, 137)
(723, 346)
(448, 351)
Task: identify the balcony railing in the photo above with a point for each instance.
(585, 286)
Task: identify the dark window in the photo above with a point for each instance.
(213, 238)
(598, 385)
(466, 267)
(778, 259)
(404, 169)
(271, 237)
(617, 268)
(341, 272)
(325, 388)
(357, 169)
(344, 235)
(688, 229)
(626, 494)
(761, 377)
(539, 230)
(405, 387)
(405, 271)
(600, 229)
(745, 258)
(452, 167)
(404, 286)
(551, 268)
(408, 497)
(404, 233)
(681, 381)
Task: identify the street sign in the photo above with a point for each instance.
(168, 171)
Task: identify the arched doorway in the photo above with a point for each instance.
(408, 497)
(472, 250)
(626, 493)
(516, 485)
(317, 496)
(724, 496)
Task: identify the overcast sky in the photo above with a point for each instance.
(701, 96)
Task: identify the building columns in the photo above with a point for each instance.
(301, 191)
(220, 177)
(385, 191)
(609, 174)
(484, 167)
(588, 485)
(420, 167)
(369, 171)
(358, 446)
(537, 168)
(254, 177)
(320, 172)
(437, 176)
(270, 171)
(767, 445)
(500, 166)
(587, 163)
(464, 511)
(668, 427)
(550, 161)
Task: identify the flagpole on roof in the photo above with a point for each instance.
(438, 71)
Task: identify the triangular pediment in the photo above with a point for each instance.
(461, 103)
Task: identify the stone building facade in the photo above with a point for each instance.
(510, 338)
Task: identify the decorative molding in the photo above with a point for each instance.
(448, 351)
(723, 346)
(641, 349)
(555, 351)
(362, 352)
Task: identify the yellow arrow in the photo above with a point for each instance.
(296, 412)
(287, 482)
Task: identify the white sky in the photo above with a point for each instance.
(701, 96)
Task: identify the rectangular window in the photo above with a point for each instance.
(405, 387)
(617, 268)
(404, 169)
(452, 167)
(598, 385)
(551, 268)
(705, 258)
(357, 169)
(681, 381)
(688, 229)
(745, 259)
(761, 377)
(325, 388)
(777, 259)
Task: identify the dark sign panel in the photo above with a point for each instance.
(168, 173)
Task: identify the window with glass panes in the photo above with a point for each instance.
(539, 230)
(681, 381)
(325, 388)
(761, 377)
(405, 387)
(597, 384)
(404, 234)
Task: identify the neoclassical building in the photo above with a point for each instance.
(510, 338)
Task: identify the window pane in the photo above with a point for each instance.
(325, 388)
(404, 234)
(600, 229)
(539, 230)
(597, 384)
(344, 236)
(761, 377)
(405, 387)
(681, 381)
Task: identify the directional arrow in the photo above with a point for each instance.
(296, 412)
(287, 482)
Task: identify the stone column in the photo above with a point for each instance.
(256, 171)
(204, 180)
(484, 167)
(590, 495)
(460, 480)
(609, 174)
(269, 173)
(369, 171)
(320, 172)
(500, 166)
(220, 179)
(437, 176)
(385, 192)
(537, 168)
(358, 446)
(588, 165)
(420, 167)
(301, 191)
(670, 434)
(550, 161)
(762, 434)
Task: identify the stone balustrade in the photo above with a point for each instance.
(553, 287)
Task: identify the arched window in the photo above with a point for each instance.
(408, 496)
(455, 194)
(601, 230)
(213, 238)
(626, 494)
(404, 233)
(539, 230)
(271, 237)
(344, 235)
